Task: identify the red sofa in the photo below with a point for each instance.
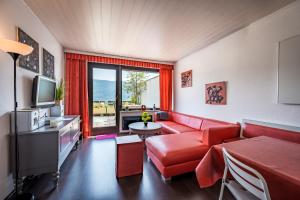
(253, 130)
(185, 141)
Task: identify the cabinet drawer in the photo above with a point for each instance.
(64, 139)
(74, 130)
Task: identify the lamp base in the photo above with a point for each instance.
(24, 196)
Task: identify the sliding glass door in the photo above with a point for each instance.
(103, 97)
(113, 87)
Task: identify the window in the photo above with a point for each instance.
(140, 87)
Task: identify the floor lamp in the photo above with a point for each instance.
(15, 49)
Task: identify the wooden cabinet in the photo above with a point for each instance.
(45, 149)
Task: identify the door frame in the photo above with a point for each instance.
(104, 130)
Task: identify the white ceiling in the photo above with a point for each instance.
(162, 30)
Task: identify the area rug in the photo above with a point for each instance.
(106, 136)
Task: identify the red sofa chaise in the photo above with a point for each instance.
(184, 141)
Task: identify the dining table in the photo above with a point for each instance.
(277, 160)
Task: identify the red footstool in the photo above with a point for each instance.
(130, 154)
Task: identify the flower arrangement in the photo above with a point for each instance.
(146, 117)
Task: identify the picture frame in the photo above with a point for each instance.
(48, 64)
(216, 93)
(31, 61)
(186, 79)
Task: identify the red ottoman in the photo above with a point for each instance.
(130, 154)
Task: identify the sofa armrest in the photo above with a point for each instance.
(217, 135)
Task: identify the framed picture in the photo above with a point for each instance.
(186, 79)
(215, 93)
(31, 61)
(48, 64)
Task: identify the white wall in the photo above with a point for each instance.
(151, 95)
(14, 13)
(247, 59)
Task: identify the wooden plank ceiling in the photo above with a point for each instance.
(162, 30)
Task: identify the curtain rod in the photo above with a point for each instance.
(113, 56)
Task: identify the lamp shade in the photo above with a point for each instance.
(11, 46)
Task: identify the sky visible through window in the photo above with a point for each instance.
(104, 74)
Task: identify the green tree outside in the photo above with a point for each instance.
(136, 85)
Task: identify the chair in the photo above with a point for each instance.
(246, 186)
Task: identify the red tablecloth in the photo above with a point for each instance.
(277, 160)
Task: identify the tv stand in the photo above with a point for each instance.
(45, 149)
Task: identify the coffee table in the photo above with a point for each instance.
(139, 128)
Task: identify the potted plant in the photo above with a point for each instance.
(58, 109)
(59, 94)
(145, 118)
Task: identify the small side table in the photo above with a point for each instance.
(144, 131)
(130, 155)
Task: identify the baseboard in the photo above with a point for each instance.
(6, 187)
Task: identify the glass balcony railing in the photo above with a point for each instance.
(102, 108)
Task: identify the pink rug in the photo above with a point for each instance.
(106, 136)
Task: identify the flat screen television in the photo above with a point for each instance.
(43, 91)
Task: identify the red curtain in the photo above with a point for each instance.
(77, 83)
(165, 85)
(118, 61)
(76, 99)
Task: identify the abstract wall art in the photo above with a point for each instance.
(48, 64)
(31, 61)
(215, 93)
(186, 79)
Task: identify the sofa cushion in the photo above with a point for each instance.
(196, 135)
(177, 148)
(172, 127)
(190, 121)
(162, 116)
(209, 123)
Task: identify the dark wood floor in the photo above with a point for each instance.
(89, 173)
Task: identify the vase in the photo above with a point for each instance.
(59, 102)
(58, 109)
(146, 123)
